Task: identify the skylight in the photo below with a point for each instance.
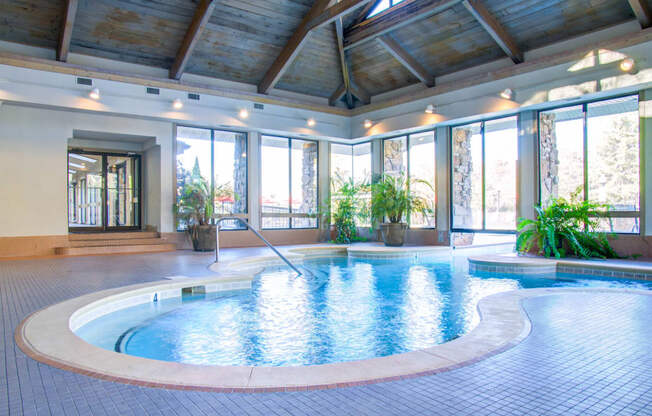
(382, 6)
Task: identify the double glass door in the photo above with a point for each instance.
(103, 191)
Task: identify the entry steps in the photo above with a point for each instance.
(87, 244)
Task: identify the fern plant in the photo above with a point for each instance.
(566, 228)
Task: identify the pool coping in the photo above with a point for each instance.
(46, 336)
(529, 264)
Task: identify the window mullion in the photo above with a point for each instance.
(484, 179)
(585, 153)
(212, 182)
(290, 182)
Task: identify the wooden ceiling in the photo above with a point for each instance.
(323, 48)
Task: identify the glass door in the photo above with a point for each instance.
(85, 191)
(123, 207)
(103, 191)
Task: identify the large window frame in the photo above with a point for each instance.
(243, 215)
(585, 162)
(290, 215)
(451, 183)
(407, 137)
(359, 222)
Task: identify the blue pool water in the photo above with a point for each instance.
(341, 309)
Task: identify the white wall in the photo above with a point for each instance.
(33, 159)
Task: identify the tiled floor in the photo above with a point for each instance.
(586, 355)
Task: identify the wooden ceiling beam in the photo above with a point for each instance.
(66, 30)
(495, 29)
(642, 12)
(407, 60)
(404, 13)
(360, 94)
(318, 16)
(291, 48)
(337, 95)
(364, 12)
(197, 26)
(344, 65)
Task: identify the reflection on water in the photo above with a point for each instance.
(339, 310)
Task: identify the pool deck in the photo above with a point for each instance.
(587, 353)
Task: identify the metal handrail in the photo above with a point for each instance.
(253, 230)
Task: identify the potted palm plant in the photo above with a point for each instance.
(195, 208)
(392, 200)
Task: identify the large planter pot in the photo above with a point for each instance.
(393, 233)
(203, 237)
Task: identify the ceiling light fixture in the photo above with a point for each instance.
(76, 165)
(94, 94)
(72, 171)
(244, 113)
(311, 122)
(627, 64)
(177, 104)
(507, 94)
(367, 124)
(430, 109)
(80, 157)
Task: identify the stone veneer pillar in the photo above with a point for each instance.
(309, 178)
(549, 157)
(240, 174)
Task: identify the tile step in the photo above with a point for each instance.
(115, 249)
(119, 235)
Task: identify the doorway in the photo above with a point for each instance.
(103, 191)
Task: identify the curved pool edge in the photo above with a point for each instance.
(503, 325)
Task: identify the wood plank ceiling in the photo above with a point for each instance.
(241, 40)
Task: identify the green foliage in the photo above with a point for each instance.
(391, 198)
(194, 204)
(566, 228)
(346, 206)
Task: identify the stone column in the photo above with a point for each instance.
(393, 157)
(462, 184)
(548, 157)
(309, 178)
(240, 174)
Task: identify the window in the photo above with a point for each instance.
(220, 159)
(484, 157)
(352, 162)
(381, 6)
(414, 156)
(592, 150)
(288, 183)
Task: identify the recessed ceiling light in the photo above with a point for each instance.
(507, 93)
(94, 94)
(177, 104)
(311, 122)
(367, 124)
(627, 64)
(430, 109)
(243, 113)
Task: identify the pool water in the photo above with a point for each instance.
(341, 309)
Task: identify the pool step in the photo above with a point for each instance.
(89, 244)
